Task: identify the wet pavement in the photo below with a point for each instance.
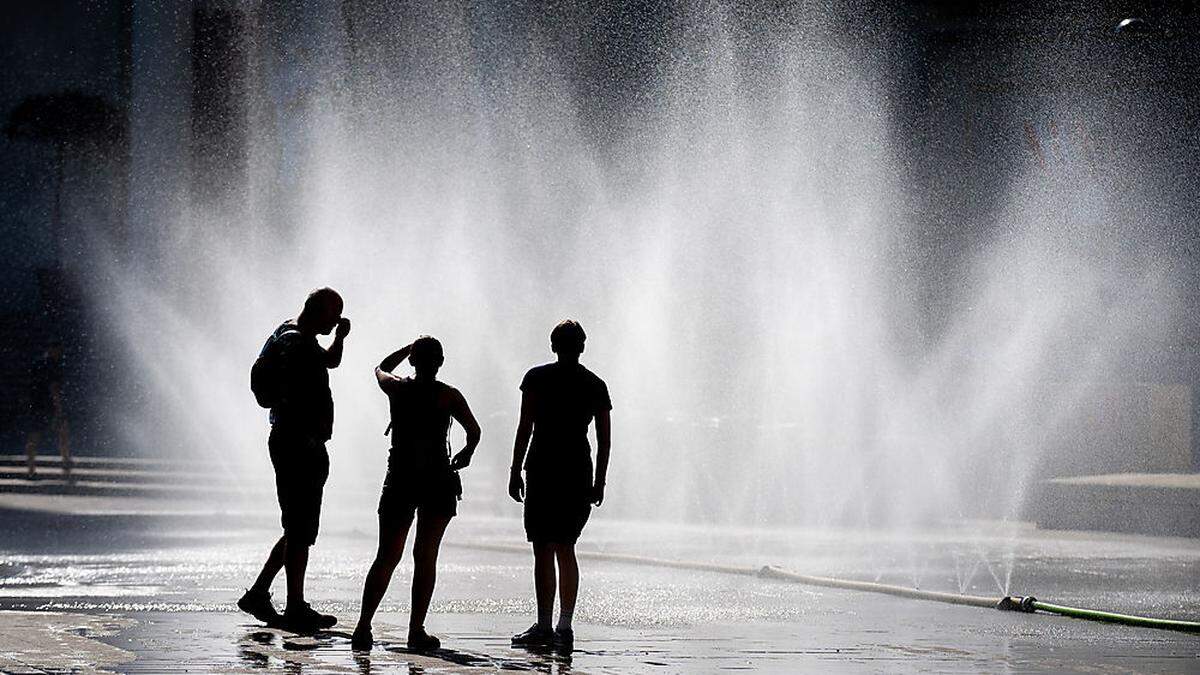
(162, 592)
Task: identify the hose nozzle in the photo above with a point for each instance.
(1016, 603)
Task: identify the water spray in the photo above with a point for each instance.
(1012, 603)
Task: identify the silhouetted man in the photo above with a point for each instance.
(558, 403)
(45, 414)
(301, 422)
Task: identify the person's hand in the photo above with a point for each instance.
(516, 487)
(343, 327)
(598, 494)
(461, 460)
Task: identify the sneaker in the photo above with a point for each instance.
(420, 641)
(536, 636)
(362, 640)
(564, 638)
(305, 619)
(258, 605)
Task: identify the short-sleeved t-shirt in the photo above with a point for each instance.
(566, 397)
(420, 413)
(306, 404)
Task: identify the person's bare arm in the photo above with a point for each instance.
(383, 372)
(603, 445)
(333, 355)
(462, 413)
(516, 485)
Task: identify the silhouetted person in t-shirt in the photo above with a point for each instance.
(558, 402)
(301, 423)
(45, 413)
(422, 483)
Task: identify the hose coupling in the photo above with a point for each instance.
(1016, 603)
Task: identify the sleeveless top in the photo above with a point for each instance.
(419, 425)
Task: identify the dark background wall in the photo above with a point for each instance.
(62, 182)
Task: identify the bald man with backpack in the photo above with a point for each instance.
(291, 378)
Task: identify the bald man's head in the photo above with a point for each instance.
(322, 311)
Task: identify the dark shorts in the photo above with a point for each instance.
(409, 491)
(555, 513)
(301, 468)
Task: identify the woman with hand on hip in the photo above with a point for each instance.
(422, 483)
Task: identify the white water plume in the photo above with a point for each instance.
(779, 348)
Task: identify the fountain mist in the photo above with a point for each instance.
(725, 215)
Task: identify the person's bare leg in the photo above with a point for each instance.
(544, 582)
(31, 445)
(568, 583)
(425, 554)
(391, 550)
(270, 568)
(295, 562)
(64, 447)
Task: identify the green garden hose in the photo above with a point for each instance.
(1027, 604)
(1031, 604)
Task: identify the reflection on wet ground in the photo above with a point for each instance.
(176, 594)
(50, 642)
(867, 636)
(266, 649)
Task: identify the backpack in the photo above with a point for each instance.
(266, 380)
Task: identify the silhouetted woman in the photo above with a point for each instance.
(558, 403)
(421, 484)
